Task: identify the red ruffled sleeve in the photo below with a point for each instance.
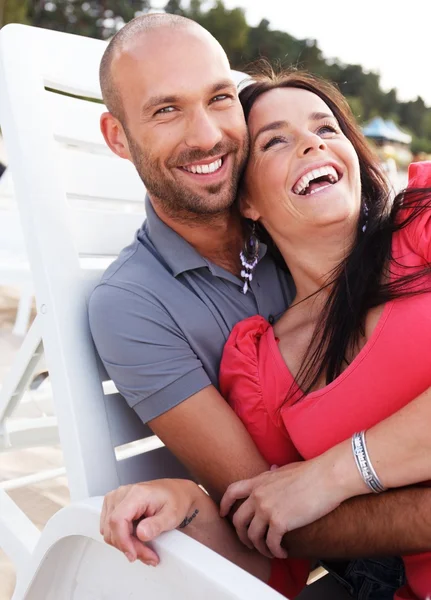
(241, 384)
(418, 233)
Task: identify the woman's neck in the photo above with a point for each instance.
(312, 259)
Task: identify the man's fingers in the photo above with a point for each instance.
(236, 491)
(257, 534)
(273, 541)
(121, 521)
(144, 553)
(150, 527)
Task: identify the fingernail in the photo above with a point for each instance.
(152, 563)
(130, 557)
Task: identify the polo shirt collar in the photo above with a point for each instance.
(178, 254)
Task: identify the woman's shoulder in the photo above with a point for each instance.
(420, 175)
(241, 360)
(246, 334)
(415, 234)
(241, 351)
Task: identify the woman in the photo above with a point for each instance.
(361, 273)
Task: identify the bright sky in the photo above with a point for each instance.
(391, 37)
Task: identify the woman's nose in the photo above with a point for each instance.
(311, 142)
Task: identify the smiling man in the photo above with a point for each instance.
(164, 309)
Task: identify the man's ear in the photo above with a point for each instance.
(114, 135)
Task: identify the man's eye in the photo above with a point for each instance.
(219, 98)
(273, 141)
(165, 110)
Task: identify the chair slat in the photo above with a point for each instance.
(156, 464)
(103, 233)
(102, 177)
(76, 122)
(124, 425)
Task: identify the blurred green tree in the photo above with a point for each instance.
(92, 18)
(412, 115)
(229, 27)
(13, 11)
(174, 8)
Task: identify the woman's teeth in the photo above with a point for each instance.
(302, 184)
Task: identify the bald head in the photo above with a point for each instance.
(127, 38)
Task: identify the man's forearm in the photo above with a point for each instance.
(395, 523)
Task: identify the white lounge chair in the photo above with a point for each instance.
(54, 190)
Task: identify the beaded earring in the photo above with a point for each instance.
(249, 258)
(365, 211)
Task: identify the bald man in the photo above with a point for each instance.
(165, 307)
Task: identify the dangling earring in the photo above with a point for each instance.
(365, 212)
(249, 258)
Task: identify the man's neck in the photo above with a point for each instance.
(218, 238)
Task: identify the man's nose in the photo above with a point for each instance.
(203, 132)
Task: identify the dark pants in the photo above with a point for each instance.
(369, 578)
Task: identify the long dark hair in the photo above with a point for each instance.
(364, 279)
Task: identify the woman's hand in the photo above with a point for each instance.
(281, 500)
(162, 505)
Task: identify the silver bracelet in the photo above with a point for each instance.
(364, 465)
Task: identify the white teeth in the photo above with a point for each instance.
(302, 184)
(202, 169)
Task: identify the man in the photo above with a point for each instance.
(164, 309)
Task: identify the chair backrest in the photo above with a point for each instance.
(79, 205)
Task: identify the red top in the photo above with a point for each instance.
(392, 369)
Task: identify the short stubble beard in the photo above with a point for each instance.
(179, 201)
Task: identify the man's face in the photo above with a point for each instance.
(183, 121)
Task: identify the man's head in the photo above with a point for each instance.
(174, 112)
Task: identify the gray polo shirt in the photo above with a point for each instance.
(162, 314)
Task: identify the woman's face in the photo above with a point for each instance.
(303, 173)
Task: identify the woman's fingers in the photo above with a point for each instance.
(273, 541)
(241, 521)
(257, 534)
(236, 491)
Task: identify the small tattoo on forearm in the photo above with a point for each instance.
(188, 520)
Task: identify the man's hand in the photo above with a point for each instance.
(163, 505)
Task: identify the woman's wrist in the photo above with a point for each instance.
(340, 468)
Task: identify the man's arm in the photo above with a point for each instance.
(210, 440)
(395, 523)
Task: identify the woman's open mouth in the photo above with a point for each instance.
(316, 180)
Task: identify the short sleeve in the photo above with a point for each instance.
(242, 386)
(144, 351)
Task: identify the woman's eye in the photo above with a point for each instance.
(273, 141)
(327, 129)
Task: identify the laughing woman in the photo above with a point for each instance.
(353, 348)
